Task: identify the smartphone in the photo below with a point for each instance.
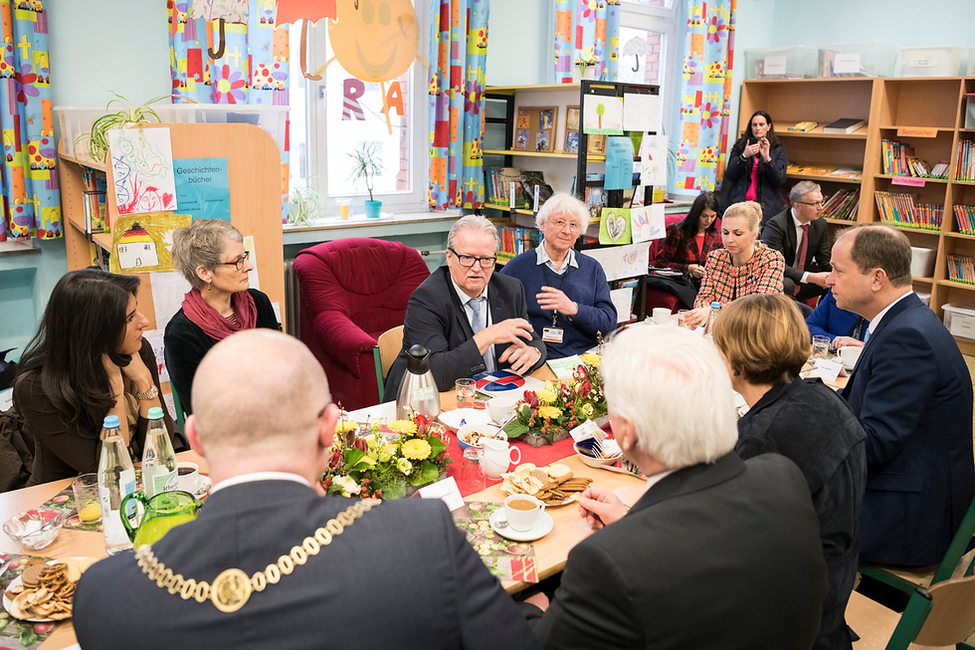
(752, 141)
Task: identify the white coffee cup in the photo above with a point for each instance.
(188, 477)
(520, 517)
(497, 457)
(850, 354)
(661, 316)
(502, 407)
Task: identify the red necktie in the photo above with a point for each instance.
(801, 255)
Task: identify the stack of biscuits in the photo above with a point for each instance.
(46, 590)
(553, 485)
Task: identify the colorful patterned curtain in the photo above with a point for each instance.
(587, 30)
(706, 94)
(253, 68)
(458, 49)
(31, 204)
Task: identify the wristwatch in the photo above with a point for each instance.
(152, 393)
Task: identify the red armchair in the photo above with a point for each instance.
(353, 290)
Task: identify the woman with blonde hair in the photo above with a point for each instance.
(744, 266)
(765, 343)
(210, 254)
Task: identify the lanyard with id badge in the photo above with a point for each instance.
(554, 334)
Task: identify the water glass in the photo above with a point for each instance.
(820, 347)
(86, 500)
(682, 315)
(472, 474)
(464, 392)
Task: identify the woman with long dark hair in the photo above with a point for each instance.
(757, 166)
(691, 239)
(87, 360)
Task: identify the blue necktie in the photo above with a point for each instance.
(478, 323)
(866, 335)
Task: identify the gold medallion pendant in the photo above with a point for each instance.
(230, 590)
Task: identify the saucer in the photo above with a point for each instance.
(541, 528)
(205, 484)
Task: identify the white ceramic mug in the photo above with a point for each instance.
(502, 407)
(850, 354)
(497, 457)
(188, 477)
(661, 316)
(520, 519)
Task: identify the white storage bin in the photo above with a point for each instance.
(930, 61)
(781, 63)
(922, 262)
(960, 319)
(75, 120)
(857, 60)
(970, 110)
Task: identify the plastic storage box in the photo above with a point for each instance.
(781, 63)
(960, 319)
(922, 262)
(970, 110)
(931, 61)
(857, 60)
(75, 120)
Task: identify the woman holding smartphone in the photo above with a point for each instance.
(757, 166)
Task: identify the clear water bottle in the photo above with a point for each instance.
(158, 459)
(715, 310)
(116, 478)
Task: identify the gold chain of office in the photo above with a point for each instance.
(232, 588)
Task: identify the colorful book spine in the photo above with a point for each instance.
(965, 219)
(961, 268)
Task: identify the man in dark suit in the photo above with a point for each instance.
(912, 392)
(469, 318)
(284, 566)
(718, 552)
(802, 238)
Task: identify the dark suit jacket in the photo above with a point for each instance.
(187, 344)
(912, 392)
(780, 234)
(436, 319)
(812, 426)
(725, 555)
(401, 576)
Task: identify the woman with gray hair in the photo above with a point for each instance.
(210, 254)
(572, 306)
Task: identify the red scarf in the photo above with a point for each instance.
(213, 324)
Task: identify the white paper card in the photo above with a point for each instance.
(847, 63)
(653, 160)
(826, 370)
(647, 222)
(774, 65)
(641, 112)
(564, 368)
(142, 170)
(630, 261)
(168, 290)
(586, 430)
(6, 399)
(155, 338)
(445, 490)
(249, 246)
(622, 299)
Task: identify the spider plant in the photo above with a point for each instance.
(304, 204)
(97, 138)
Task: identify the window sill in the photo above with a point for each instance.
(361, 226)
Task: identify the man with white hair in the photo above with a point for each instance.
(270, 562)
(470, 318)
(718, 552)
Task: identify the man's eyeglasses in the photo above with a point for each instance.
(238, 263)
(817, 204)
(467, 261)
(561, 224)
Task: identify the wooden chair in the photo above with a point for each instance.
(941, 616)
(385, 351)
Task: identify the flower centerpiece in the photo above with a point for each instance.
(388, 461)
(546, 416)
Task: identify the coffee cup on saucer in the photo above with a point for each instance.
(188, 477)
(850, 354)
(522, 512)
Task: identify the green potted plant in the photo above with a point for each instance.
(366, 165)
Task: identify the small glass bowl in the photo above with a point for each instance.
(36, 528)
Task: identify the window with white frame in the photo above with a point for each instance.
(339, 114)
(648, 49)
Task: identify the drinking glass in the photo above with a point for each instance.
(464, 392)
(85, 489)
(820, 347)
(472, 474)
(682, 318)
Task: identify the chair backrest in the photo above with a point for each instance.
(389, 346)
(952, 616)
(959, 544)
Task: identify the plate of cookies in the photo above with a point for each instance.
(43, 593)
(554, 485)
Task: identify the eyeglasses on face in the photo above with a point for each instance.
(467, 261)
(239, 262)
(816, 204)
(561, 224)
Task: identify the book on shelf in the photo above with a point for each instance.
(844, 125)
(595, 196)
(901, 210)
(516, 240)
(895, 157)
(940, 170)
(961, 268)
(498, 183)
(843, 205)
(809, 170)
(965, 218)
(966, 161)
(847, 172)
(803, 127)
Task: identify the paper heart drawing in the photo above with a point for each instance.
(615, 226)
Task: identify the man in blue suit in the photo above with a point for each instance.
(912, 392)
